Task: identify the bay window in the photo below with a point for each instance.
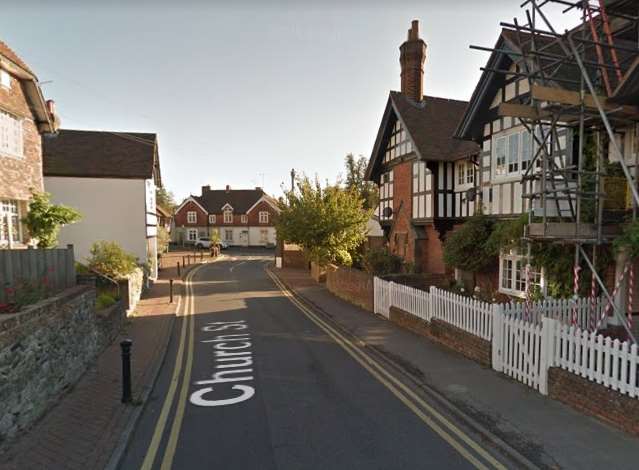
(512, 275)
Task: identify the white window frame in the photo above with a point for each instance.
(264, 235)
(10, 222)
(211, 218)
(226, 235)
(263, 217)
(465, 170)
(228, 216)
(11, 135)
(505, 165)
(244, 218)
(512, 289)
(5, 79)
(192, 235)
(191, 217)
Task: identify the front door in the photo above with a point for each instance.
(244, 241)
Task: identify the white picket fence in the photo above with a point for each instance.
(588, 312)
(381, 296)
(471, 315)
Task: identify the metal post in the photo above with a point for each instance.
(171, 291)
(183, 260)
(178, 268)
(125, 345)
(201, 255)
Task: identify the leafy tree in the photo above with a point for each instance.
(110, 259)
(45, 219)
(465, 248)
(165, 199)
(329, 223)
(356, 180)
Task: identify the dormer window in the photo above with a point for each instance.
(212, 219)
(228, 216)
(244, 218)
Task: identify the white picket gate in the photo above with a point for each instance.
(381, 296)
(470, 315)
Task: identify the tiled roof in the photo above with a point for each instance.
(99, 154)
(431, 123)
(9, 54)
(240, 200)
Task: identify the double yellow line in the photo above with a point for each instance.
(452, 434)
(188, 323)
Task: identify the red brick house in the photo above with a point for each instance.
(242, 217)
(417, 162)
(24, 117)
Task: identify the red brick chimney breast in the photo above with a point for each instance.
(411, 58)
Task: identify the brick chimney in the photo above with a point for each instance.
(411, 58)
(206, 189)
(228, 188)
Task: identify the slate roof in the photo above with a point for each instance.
(431, 123)
(8, 53)
(241, 200)
(99, 154)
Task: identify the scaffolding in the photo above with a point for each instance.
(571, 76)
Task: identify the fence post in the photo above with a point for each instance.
(497, 342)
(547, 355)
(431, 303)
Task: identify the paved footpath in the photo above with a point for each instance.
(548, 433)
(88, 423)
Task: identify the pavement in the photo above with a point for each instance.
(545, 432)
(89, 423)
(255, 380)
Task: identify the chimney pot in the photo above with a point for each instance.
(228, 188)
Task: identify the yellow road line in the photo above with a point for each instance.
(147, 464)
(169, 453)
(394, 385)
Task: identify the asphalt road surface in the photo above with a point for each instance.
(253, 380)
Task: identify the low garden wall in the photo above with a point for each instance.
(131, 290)
(594, 399)
(465, 343)
(352, 285)
(45, 348)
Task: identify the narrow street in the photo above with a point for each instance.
(284, 390)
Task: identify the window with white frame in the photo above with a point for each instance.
(5, 79)
(191, 217)
(465, 173)
(385, 194)
(192, 234)
(9, 221)
(228, 235)
(11, 143)
(211, 218)
(263, 236)
(263, 217)
(512, 275)
(513, 152)
(398, 143)
(228, 216)
(244, 218)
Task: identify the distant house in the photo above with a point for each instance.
(24, 117)
(165, 217)
(111, 179)
(242, 217)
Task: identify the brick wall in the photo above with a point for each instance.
(594, 399)
(352, 285)
(468, 345)
(402, 237)
(19, 176)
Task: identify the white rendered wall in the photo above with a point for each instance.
(112, 210)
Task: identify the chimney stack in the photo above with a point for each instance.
(411, 58)
(228, 188)
(206, 189)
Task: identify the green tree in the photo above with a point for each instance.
(45, 219)
(466, 249)
(165, 199)
(356, 180)
(329, 223)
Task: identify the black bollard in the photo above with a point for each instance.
(171, 291)
(178, 266)
(125, 345)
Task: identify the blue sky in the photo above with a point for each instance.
(241, 92)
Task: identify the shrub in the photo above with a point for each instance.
(45, 219)
(466, 249)
(506, 235)
(104, 301)
(380, 261)
(109, 259)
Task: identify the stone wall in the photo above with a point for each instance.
(594, 399)
(43, 350)
(131, 290)
(352, 285)
(467, 344)
(109, 322)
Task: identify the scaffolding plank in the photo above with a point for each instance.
(572, 98)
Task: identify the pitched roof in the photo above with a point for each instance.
(9, 54)
(100, 154)
(241, 200)
(430, 124)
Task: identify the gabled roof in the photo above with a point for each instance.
(241, 200)
(101, 154)
(430, 125)
(9, 54)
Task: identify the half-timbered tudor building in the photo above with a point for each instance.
(427, 178)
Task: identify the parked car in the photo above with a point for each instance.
(223, 245)
(203, 242)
